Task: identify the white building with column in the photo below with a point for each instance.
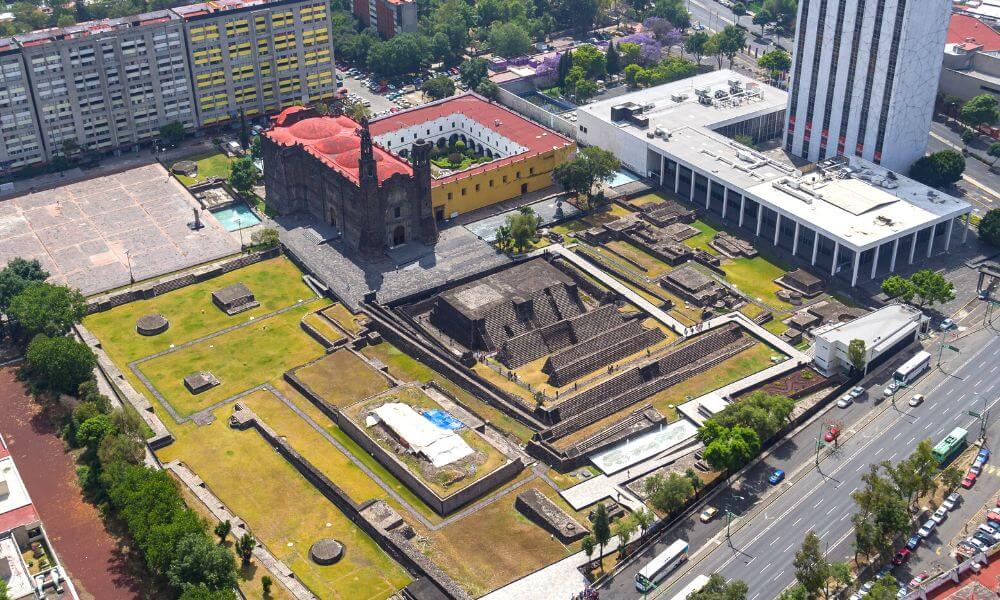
(864, 77)
(845, 216)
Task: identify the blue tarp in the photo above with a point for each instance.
(442, 419)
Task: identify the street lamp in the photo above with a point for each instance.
(239, 225)
(729, 519)
(128, 261)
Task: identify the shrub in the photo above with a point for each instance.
(59, 364)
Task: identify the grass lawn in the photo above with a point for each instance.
(755, 277)
(701, 240)
(276, 284)
(213, 164)
(407, 368)
(284, 511)
(652, 266)
(753, 359)
(775, 326)
(652, 198)
(324, 327)
(339, 313)
(342, 378)
(240, 359)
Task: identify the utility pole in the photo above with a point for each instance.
(729, 519)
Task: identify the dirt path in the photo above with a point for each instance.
(92, 557)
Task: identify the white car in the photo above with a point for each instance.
(977, 543)
(916, 400)
(927, 528)
(857, 391)
(845, 401)
(952, 501)
(940, 515)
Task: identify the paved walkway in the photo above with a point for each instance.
(558, 581)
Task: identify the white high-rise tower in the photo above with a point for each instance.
(864, 78)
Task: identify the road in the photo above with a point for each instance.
(763, 543)
(981, 187)
(715, 16)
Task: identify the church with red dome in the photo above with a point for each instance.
(329, 167)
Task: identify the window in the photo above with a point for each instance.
(397, 212)
(463, 191)
(477, 187)
(517, 175)
(491, 183)
(505, 179)
(449, 195)
(531, 170)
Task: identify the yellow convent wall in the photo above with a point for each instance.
(484, 188)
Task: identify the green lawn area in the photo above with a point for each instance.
(240, 359)
(611, 213)
(342, 378)
(213, 164)
(323, 326)
(407, 368)
(276, 284)
(652, 198)
(284, 511)
(755, 277)
(652, 266)
(701, 240)
(753, 359)
(339, 313)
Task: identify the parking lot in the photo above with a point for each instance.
(397, 96)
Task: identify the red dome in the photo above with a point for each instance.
(315, 128)
(336, 144)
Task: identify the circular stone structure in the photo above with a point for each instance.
(326, 552)
(151, 324)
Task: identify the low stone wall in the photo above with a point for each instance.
(162, 286)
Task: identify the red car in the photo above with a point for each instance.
(831, 434)
(993, 514)
(918, 580)
(901, 557)
(969, 481)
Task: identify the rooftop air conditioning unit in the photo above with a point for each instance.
(735, 83)
(649, 106)
(678, 97)
(702, 91)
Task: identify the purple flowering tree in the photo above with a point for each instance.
(650, 48)
(549, 64)
(664, 31)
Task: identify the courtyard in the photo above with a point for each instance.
(103, 233)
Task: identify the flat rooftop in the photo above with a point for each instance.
(848, 199)
(877, 328)
(476, 298)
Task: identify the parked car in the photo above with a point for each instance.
(978, 544)
(988, 530)
(708, 514)
(969, 481)
(777, 476)
(926, 530)
(940, 515)
(992, 526)
(901, 557)
(890, 389)
(916, 400)
(952, 501)
(857, 391)
(902, 591)
(913, 542)
(984, 453)
(831, 434)
(993, 515)
(947, 324)
(845, 401)
(919, 579)
(987, 538)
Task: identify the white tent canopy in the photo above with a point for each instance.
(441, 446)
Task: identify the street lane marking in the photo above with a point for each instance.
(847, 514)
(766, 568)
(830, 511)
(893, 456)
(895, 437)
(911, 440)
(818, 503)
(933, 405)
(788, 548)
(796, 521)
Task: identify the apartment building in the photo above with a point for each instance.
(387, 17)
(108, 84)
(258, 57)
(20, 138)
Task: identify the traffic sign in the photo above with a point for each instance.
(952, 348)
(974, 414)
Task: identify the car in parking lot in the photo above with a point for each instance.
(777, 476)
(969, 481)
(952, 501)
(947, 324)
(984, 453)
(919, 579)
(901, 557)
(845, 401)
(940, 515)
(992, 527)
(987, 538)
(978, 544)
(708, 514)
(993, 514)
(831, 434)
(916, 400)
(857, 391)
(913, 542)
(927, 528)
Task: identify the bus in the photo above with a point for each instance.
(911, 368)
(949, 447)
(695, 586)
(665, 562)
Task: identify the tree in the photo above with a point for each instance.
(994, 151)
(522, 227)
(931, 287)
(92, 431)
(589, 166)
(602, 530)
(857, 353)
(884, 589)
(592, 61)
(438, 87)
(120, 448)
(731, 40)
(781, 11)
(222, 530)
(611, 55)
(587, 545)
(717, 588)
(668, 493)
(895, 286)
(940, 168)
(16, 276)
(624, 528)
(713, 48)
(266, 582)
(776, 62)
(980, 110)
(696, 482)
(45, 308)
(487, 89)
(245, 546)
(951, 478)
(674, 11)
(796, 592)
(509, 40)
(643, 518)
(989, 227)
(201, 592)
(840, 573)
(172, 134)
(473, 71)
(761, 412)
(733, 450)
(811, 568)
(696, 45)
(255, 148)
(60, 364)
(356, 111)
(739, 9)
(402, 53)
(265, 238)
(242, 174)
(244, 130)
(882, 514)
(197, 561)
(762, 18)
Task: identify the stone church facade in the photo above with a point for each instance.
(329, 167)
